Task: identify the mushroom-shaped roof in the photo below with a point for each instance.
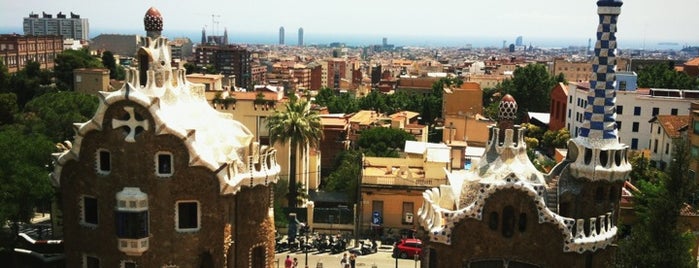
(610, 3)
(153, 21)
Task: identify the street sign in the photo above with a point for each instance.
(376, 218)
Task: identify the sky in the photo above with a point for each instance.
(640, 20)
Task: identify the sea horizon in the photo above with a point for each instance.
(430, 41)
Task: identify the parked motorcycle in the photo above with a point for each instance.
(339, 245)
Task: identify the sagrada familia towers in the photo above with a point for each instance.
(158, 178)
(505, 213)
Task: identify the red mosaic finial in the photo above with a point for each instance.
(153, 21)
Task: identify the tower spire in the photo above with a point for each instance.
(600, 114)
(596, 151)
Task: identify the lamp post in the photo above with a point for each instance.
(305, 249)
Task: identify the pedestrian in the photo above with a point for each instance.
(295, 264)
(343, 261)
(288, 262)
(352, 260)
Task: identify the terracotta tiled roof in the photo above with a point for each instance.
(692, 62)
(673, 123)
(400, 114)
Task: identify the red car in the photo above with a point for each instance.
(407, 248)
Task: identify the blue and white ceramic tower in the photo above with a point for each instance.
(596, 152)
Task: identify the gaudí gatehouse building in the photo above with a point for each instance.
(505, 213)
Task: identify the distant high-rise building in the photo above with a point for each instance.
(504, 44)
(229, 60)
(73, 27)
(203, 35)
(281, 35)
(225, 36)
(518, 41)
(384, 41)
(301, 36)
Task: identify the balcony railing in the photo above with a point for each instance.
(398, 181)
(133, 247)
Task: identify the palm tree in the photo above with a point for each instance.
(300, 126)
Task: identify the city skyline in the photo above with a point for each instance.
(503, 19)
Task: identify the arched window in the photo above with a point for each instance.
(508, 221)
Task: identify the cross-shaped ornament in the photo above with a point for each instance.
(131, 124)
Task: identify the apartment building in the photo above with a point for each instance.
(229, 60)
(18, 50)
(634, 110)
(391, 188)
(68, 27)
(580, 70)
(665, 129)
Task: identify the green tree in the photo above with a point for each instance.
(345, 177)
(375, 101)
(55, 113)
(8, 108)
(70, 60)
(531, 87)
(4, 77)
(325, 96)
(115, 71)
(656, 240)
(337, 103)
(533, 131)
(29, 82)
(383, 141)
(665, 76)
(555, 139)
(23, 173)
(299, 125)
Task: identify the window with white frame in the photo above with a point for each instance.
(187, 215)
(89, 214)
(163, 164)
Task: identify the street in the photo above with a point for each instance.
(381, 259)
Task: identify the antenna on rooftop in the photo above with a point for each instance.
(214, 23)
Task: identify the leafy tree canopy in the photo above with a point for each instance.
(657, 240)
(383, 141)
(665, 76)
(8, 108)
(24, 181)
(4, 77)
(54, 113)
(346, 174)
(115, 71)
(530, 86)
(70, 60)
